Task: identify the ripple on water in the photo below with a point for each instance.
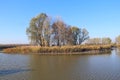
(96, 76)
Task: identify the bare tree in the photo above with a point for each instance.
(59, 29)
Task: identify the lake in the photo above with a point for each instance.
(60, 67)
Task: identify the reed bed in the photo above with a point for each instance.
(118, 45)
(57, 49)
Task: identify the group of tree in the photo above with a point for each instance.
(98, 41)
(45, 31)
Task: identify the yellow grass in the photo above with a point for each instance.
(57, 49)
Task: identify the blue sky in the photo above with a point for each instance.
(100, 17)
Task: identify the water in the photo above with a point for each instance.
(64, 67)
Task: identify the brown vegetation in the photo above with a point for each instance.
(59, 50)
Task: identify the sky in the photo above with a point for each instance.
(100, 17)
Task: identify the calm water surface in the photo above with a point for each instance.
(75, 67)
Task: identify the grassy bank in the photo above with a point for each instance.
(60, 50)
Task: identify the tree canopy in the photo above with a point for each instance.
(45, 31)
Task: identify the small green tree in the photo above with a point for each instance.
(75, 34)
(83, 35)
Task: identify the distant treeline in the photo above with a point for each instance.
(4, 46)
(98, 41)
(103, 41)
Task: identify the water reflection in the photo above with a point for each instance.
(74, 67)
(117, 51)
(53, 67)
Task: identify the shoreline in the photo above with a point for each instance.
(55, 50)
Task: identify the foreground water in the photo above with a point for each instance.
(74, 67)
